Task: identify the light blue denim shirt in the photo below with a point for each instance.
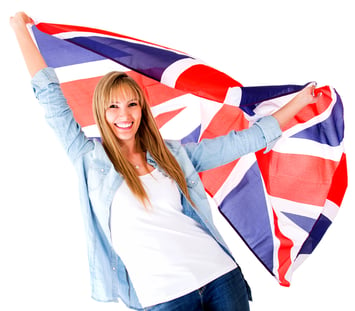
(99, 181)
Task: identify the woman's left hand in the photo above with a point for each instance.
(305, 97)
(308, 95)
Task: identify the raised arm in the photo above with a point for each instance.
(264, 133)
(48, 92)
(30, 52)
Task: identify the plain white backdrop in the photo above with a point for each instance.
(43, 261)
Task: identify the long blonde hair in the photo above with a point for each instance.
(148, 136)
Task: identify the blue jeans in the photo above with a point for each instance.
(230, 292)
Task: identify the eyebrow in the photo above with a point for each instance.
(128, 101)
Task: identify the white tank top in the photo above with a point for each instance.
(166, 253)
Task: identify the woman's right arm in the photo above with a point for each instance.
(33, 58)
(47, 90)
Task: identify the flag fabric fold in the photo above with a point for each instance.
(282, 202)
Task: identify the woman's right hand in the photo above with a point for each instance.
(20, 19)
(30, 52)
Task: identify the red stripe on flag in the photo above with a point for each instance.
(205, 82)
(231, 118)
(283, 253)
(79, 96)
(228, 118)
(300, 178)
(163, 118)
(213, 179)
(53, 29)
(340, 182)
(155, 91)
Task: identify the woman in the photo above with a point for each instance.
(150, 236)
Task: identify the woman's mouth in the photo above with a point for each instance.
(124, 125)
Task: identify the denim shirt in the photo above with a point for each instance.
(99, 181)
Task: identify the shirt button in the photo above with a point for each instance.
(113, 268)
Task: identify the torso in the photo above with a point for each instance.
(167, 254)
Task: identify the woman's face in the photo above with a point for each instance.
(123, 114)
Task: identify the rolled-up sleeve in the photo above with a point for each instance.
(42, 79)
(271, 131)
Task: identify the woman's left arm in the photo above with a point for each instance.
(211, 153)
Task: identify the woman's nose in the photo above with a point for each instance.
(122, 111)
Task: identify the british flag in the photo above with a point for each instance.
(281, 203)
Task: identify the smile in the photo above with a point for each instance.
(124, 125)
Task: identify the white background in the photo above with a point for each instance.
(43, 261)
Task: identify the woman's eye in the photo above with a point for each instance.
(133, 104)
(113, 106)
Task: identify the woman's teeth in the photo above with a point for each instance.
(124, 125)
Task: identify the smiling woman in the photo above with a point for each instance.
(124, 116)
(314, 295)
(119, 101)
(199, 272)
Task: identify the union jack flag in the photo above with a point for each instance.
(281, 203)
